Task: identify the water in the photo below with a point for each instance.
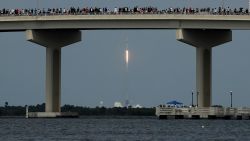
(123, 129)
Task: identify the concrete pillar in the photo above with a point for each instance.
(204, 76)
(53, 40)
(53, 79)
(204, 41)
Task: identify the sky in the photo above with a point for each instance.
(161, 69)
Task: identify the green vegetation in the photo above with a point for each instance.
(83, 111)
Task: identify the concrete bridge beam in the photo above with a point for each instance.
(204, 40)
(53, 40)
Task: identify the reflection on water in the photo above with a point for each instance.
(123, 129)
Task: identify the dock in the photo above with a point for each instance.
(228, 113)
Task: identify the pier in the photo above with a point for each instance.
(165, 112)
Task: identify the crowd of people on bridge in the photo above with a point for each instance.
(121, 10)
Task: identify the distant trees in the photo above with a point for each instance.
(6, 104)
(109, 111)
(37, 108)
(20, 110)
(12, 111)
(84, 111)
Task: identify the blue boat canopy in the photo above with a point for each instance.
(174, 102)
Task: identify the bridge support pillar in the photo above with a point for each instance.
(204, 41)
(53, 40)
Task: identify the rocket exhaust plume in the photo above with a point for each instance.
(126, 56)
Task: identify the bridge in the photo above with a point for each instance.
(54, 32)
(129, 21)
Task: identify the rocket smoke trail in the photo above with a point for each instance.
(126, 102)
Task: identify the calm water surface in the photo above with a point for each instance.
(123, 129)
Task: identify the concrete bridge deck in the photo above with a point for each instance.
(136, 21)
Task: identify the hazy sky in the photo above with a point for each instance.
(160, 69)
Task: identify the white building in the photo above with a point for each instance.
(118, 104)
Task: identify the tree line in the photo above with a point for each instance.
(82, 111)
